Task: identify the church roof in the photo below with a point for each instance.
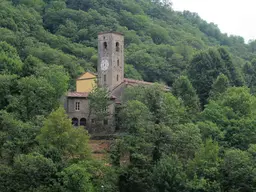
(134, 81)
(78, 94)
(83, 95)
(126, 81)
(139, 82)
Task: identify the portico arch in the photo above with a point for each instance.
(75, 121)
(82, 122)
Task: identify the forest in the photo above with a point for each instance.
(198, 137)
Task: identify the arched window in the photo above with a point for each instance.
(83, 122)
(75, 121)
(117, 47)
(117, 62)
(105, 45)
(117, 78)
(105, 122)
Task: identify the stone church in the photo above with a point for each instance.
(110, 74)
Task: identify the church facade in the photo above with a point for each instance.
(110, 74)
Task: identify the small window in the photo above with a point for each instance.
(117, 62)
(105, 78)
(117, 47)
(77, 106)
(105, 122)
(117, 78)
(93, 121)
(105, 45)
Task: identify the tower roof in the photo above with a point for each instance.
(113, 32)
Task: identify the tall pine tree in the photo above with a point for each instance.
(219, 86)
(182, 88)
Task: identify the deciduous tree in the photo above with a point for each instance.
(59, 133)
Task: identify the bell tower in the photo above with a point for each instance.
(110, 59)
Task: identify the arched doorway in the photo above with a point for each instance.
(83, 122)
(75, 121)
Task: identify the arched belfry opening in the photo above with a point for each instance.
(105, 45)
(117, 47)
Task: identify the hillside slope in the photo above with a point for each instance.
(159, 42)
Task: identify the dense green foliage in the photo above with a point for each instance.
(183, 151)
(201, 136)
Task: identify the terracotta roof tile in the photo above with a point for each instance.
(126, 81)
(133, 81)
(78, 94)
(83, 95)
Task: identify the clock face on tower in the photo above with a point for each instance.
(104, 65)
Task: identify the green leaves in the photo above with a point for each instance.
(168, 175)
(76, 178)
(131, 72)
(99, 106)
(57, 77)
(205, 68)
(134, 117)
(7, 83)
(36, 97)
(10, 61)
(203, 170)
(163, 106)
(186, 140)
(240, 100)
(219, 86)
(227, 121)
(238, 171)
(233, 114)
(16, 137)
(59, 133)
(33, 170)
(182, 88)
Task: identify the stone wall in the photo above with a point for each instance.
(106, 126)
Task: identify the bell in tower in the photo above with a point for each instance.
(110, 59)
